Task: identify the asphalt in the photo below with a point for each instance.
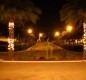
(23, 70)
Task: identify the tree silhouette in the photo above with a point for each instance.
(16, 12)
(74, 12)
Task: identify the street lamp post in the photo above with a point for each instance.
(57, 34)
(40, 35)
(30, 32)
(69, 29)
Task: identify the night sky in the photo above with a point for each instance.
(50, 18)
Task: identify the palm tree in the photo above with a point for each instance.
(74, 12)
(15, 12)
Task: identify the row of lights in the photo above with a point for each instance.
(68, 29)
(11, 35)
(30, 31)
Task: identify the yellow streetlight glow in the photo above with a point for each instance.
(69, 28)
(40, 34)
(56, 34)
(30, 31)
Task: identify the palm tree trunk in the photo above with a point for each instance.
(84, 41)
(11, 40)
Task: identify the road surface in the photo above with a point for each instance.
(42, 70)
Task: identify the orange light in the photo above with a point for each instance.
(69, 28)
(40, 34)
(30, 31)
(56, 34)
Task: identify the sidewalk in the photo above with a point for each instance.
(41, 61)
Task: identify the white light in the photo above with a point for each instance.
(84, 40)
(11, 36)
(11, 44)
(11, 24)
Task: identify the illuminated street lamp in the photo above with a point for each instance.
(30, 31)
(40, 35)
(69, 28)
(56, 34)
(31, 35)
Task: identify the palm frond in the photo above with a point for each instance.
(73, 12)
(22, 10)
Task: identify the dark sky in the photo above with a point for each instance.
(50, 18)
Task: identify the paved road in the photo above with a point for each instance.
(49, 50)
(42, 70)
(43, 46)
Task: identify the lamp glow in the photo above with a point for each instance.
(40, 35)
(30, 31)
(69, 28)
(56, 34)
